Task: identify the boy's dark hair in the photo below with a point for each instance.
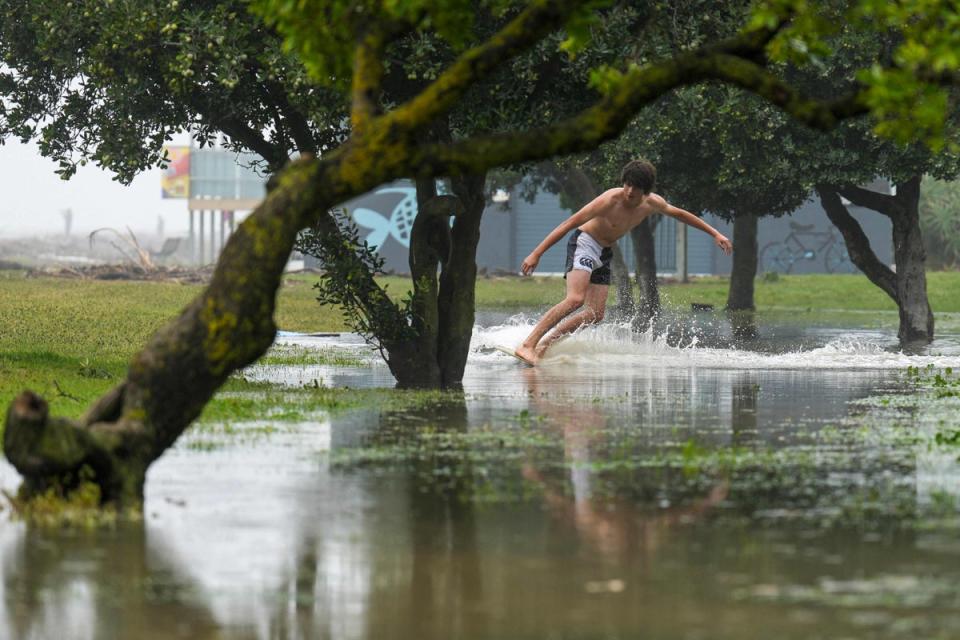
(640, 174)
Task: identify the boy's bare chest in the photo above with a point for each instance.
(619, 220)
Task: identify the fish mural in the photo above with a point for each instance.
(398, 224)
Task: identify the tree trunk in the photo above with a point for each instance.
(857, 243)
(413, 362)
(626, 307)
(907, 286)
(644, 251)
(744, 272)
(916, 316)
(458, 280)
(443, 309)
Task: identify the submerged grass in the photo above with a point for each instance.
(466, 465)
(245, 411)
(292, 355)
(858, 473)
(78, 507)
(845, 292)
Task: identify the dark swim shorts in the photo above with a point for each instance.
(586, 257)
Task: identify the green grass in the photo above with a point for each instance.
(70, 340)
(291, 355)
(816, 291)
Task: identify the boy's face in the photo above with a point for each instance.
(634, 195)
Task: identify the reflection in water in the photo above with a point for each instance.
(445, 576)
(743, 325)
(535, 504)
(97, 585)
(615, 528)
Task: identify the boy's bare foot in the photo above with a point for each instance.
(526, 354)
(539, 351)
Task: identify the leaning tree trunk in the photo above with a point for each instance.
(644, 251)
(744, 271)
(228, 326)
(907, 286)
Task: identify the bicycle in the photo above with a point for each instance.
(780, 255)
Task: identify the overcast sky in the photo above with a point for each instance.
(34, 197)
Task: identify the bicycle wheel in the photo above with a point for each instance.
(776, 257)
(836, 259)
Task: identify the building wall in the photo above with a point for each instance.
(498, 243)
(533, 221)
(510, 231)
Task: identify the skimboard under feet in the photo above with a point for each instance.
(510, 352)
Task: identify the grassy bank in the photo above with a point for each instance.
(70, 340)
(817, 291)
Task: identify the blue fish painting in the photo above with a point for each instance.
(398, 225)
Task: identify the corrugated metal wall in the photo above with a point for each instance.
(700, 251)
(509, 232)
(532, 222)
(665, 246)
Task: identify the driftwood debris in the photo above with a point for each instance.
(184, 275)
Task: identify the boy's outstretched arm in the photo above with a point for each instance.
(698, 223)
(590, 210)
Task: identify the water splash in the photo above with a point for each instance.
(612, 344)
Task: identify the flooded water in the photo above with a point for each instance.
(689, 486)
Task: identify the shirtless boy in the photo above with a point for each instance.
(599, 224)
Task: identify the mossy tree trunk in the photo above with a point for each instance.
(907, 285)
(414, 361)
(230, 323)
(442, 313)
(744, 271)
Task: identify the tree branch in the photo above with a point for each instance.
(238, 130)
(367, 77)
(735, 70)
(540, 18)
(638, 88)
(299, 127)
(908, 192)
(879, 202)
(858, 245)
